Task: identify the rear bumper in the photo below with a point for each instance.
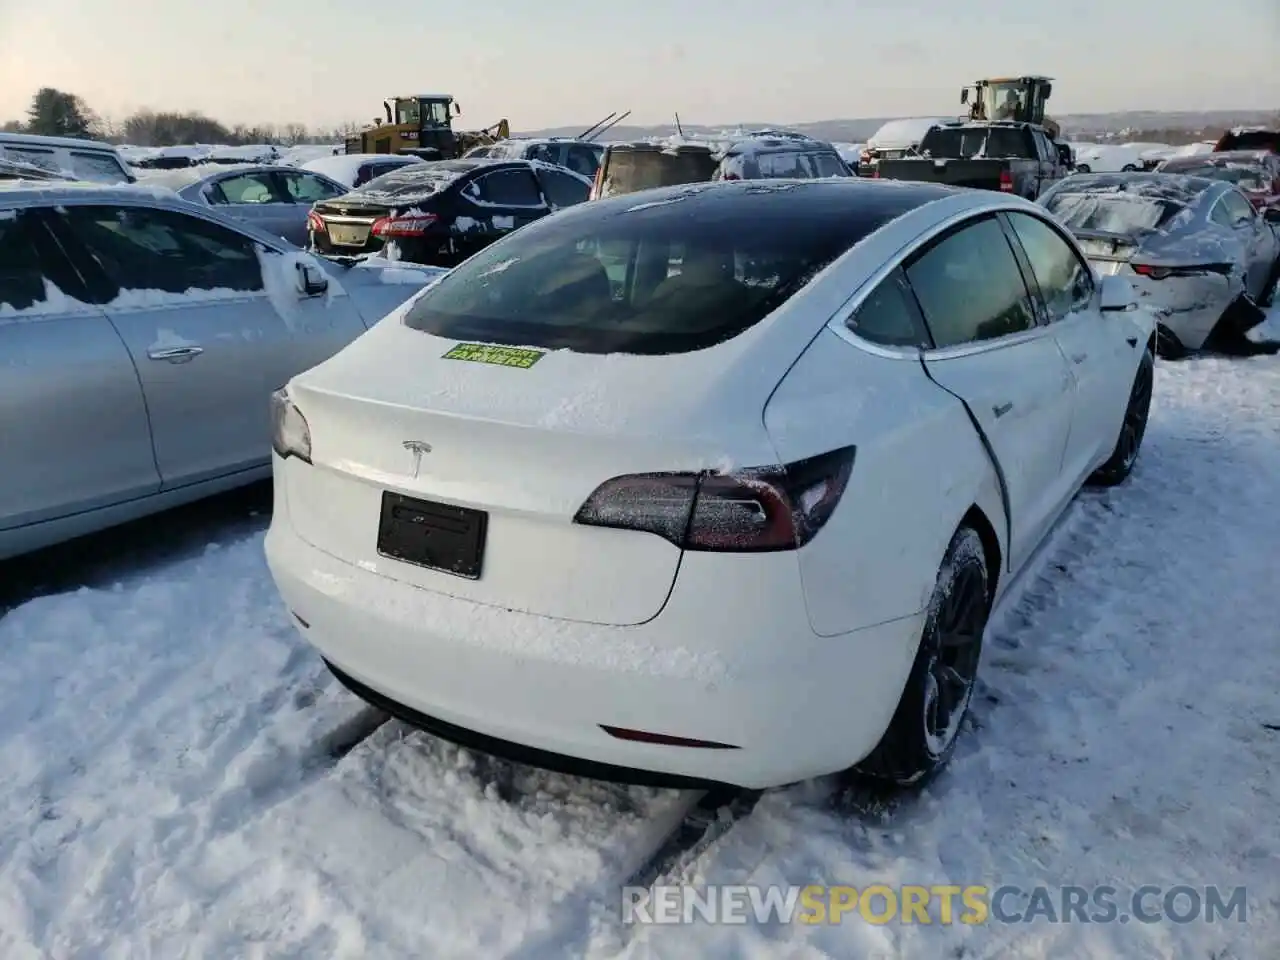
(736, 668)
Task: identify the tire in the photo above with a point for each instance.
(1083, 168)
(920, 740)
(1120, 464)
(1128, 168)
(1168, 346)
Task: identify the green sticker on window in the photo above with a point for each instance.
(497, 356)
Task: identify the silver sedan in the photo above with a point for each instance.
(274, 198)
(1195, 250)
(141, 338)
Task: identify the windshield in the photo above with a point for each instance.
(969, 142)
(1111, 212)
(1004, 101)
(628, 171)
(671, 277)
(1244, 175)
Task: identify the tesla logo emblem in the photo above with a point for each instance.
(417, 448)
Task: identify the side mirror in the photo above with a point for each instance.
(964, 94)
(311, 280)
(457, 109)
(1117, 295)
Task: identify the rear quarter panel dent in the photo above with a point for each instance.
(918, 470)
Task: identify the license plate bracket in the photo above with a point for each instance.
(348, 235)
(437, 536)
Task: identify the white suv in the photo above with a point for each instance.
(79, 159)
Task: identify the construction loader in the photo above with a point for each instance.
(1018, 100)
(422, 125)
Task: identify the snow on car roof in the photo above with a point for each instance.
(346, 167)
(906, 131)
(1151, 186)
(185, 176)
(36, 141)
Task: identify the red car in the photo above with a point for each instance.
(1255, 172)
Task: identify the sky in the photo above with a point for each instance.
(543, 63)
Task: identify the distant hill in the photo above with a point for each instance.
(1084, 125)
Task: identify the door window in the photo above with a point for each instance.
(888, 316)
(139, 248)
(562, 189)
(1065, 281)
(1239, 210)
(21, 279)
(827, 165)
(510, 188)
(970, 288)
(582, 159)
(251, 188)
(308, 188)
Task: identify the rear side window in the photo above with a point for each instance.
(888, 317)
(509, 188)
(669, 278)
(98, 167)
(628, 171)
(970, 142)
(970, 287)
(563, 190)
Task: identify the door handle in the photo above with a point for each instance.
(1079, 357)
(176, 354)
(1001, 409)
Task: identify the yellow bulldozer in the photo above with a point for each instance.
(423, 125)
(1019, 99)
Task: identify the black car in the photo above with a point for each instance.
(441, 212)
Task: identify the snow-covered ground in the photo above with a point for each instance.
(181, 781)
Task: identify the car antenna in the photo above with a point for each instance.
(609, 125)
(593, 128)
(679, 129)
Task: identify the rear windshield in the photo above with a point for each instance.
(1112, 212)
(629, 171)
(1247, 176)
(971, 142)
(660, 279)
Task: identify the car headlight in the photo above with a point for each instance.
(290, 435)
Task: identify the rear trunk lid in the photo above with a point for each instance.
(349, 222)
(526, 445)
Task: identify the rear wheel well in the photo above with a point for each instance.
(976, 519)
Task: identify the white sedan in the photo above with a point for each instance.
(716, 483)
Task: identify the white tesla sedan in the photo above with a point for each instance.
(710, 484)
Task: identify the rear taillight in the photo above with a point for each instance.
(407, 226)
(751, 510)
(1006, 181)
(1161, 273)
(315, 223)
